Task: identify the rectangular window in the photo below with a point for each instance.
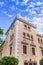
(34, 64)
(42, 52)
(24, 49)
(10, 50)
(28, 35)
(33, 51)
(38, 40)
(11, 37)
(30, 63)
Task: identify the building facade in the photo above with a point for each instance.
(23, 42)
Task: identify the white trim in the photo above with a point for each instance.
(16, 39)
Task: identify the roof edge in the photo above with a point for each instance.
(18, 17)
(40, 35)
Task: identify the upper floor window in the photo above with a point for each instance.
(38, 40)
(24, 49)
(28, 35)
(11, 37)
(33, 51)
(28, 28)
(25, 26)
(24, 34)
(41, 40)
(32, 37)
(42, 52)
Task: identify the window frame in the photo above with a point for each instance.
(33, 51)
(25, 52)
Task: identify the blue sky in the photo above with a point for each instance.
(31, 9)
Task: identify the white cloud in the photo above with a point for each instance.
(12, 7)
(33, 12)
(24, 2)
(38, 22)
(1, 3)
(9, 15)
(12, 0)
(42, 11)
(39, 3)
(16, 1)
(32, 4)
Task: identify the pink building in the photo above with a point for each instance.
(23, 42)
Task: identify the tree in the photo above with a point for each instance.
(1, 41)
(1, 33)
(7, 60)
(41, 61)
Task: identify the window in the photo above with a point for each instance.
(34, 63)
(41, 40)
(38, 40)
(31, 37)
(33, 51)
(10, 50)
(42, 52)
(11, 37)
(25, 63)
(24, 34)
(28, 27)
(30, 63)
(24, 49)
(28, 35)
(25, 26)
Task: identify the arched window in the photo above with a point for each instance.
(25, 26)
(24, 34)
(32, 37)
(28, 35)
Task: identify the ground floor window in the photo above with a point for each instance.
(30, 63)
(34, 63)
(25, 63)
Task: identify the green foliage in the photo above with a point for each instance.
(7, 60)
(1, 41)
(41, 61)
(1, 31)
